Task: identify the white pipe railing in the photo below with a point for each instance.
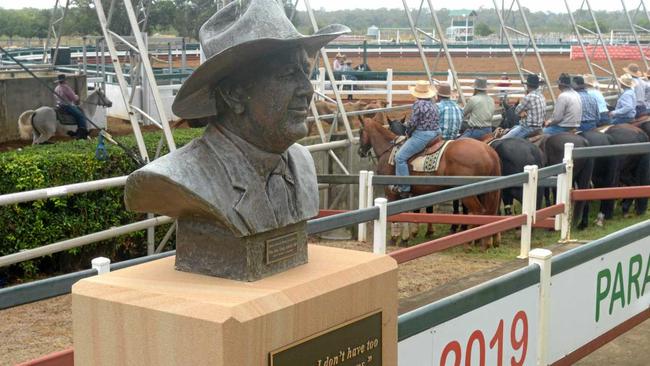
(39, 194)
(82, 240)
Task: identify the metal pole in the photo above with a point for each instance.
(60, 33)
(537, 54)
(46, 50)
(635, 35)
(183, 55)
(579, 37)
(602, 42)
(443, 42)
(504, 29)
(423, 56)
(84, 55)
(142, 148)
(330, 73)
(144, 56)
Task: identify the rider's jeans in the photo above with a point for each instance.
(416, 143)
(520, 131)
(75, 112)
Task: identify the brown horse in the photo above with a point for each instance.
(464, 157)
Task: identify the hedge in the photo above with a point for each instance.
(34, 224)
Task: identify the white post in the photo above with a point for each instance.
(379, 234)
(528, 208)
(558, 198)
(565, 225)
(389, 87)
(101, 264)
(542, 257)
(370, 192)
(361, 235)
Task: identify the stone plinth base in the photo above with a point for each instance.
(340, 308)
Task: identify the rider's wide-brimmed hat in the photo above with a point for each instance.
(533, 81)
(444, 90)
(591, 80)
(480, 84)
(626, 80)
(422, 90)
(634, 70)
(564, 80)
(242, 31)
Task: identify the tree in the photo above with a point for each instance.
(483, 30)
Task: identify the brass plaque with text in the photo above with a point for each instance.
(281, 247)
(355, 343)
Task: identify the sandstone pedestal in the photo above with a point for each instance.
(338, 309)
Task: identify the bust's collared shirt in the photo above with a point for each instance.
(212, 179)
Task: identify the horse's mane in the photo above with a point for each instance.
(380, 128)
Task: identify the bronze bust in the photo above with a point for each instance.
(244, 190)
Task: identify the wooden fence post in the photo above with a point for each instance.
(528, 208)
(542, 257)
(363, 174)
(101, 264)
(565, 227)
(379, 233)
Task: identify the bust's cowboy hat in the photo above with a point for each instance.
(242, 30)
(634, 70)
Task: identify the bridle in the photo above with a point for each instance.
(103, 102)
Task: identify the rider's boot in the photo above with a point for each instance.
(82, 134)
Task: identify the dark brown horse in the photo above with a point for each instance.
(464, 157)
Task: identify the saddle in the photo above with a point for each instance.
(426, 160)
(64, 117)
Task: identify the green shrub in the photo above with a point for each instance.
(34, 224)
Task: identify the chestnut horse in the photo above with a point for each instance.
(464, 157)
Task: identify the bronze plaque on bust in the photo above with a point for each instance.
(357, 342)
(281, 247)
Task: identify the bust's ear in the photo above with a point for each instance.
(234, 96)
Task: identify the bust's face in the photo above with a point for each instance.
(277, 100)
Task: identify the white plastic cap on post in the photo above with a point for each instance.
(101, 264)
(540, 253)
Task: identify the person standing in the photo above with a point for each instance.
(589, 104)
(533, 107)
(639, 88)
(594, 90)
(625, 110)
(424, 124)
(338, 63)
(479, 111)
(67, 100)
(568, 109)
(451, 115)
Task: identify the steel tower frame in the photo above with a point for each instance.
(507, 20)
(634, 27)
(578, 29)
(441, 40)
(55, 29)
(137, 24)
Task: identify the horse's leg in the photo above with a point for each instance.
(474, 207)
(395, 232)
(456, 207)
(430, 230)
(405, 234)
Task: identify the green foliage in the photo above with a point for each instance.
(34, 224)
(483, 30)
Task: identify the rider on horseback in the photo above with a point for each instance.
(593, 90)
(451, 115)
(533, 106)
(424, 124)
(568, 109)
(639, 88)
(479, 111)
(626, 105)
(590, 115)
(67, 100)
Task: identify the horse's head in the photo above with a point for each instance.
(365, 145)
(98, 97)
(397, 127)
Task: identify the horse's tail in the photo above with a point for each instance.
(492, 200)
(25, 127)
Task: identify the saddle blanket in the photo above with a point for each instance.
(64, 118)
(423, 163)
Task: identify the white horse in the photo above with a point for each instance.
(40, 125)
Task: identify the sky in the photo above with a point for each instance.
(535, 5)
